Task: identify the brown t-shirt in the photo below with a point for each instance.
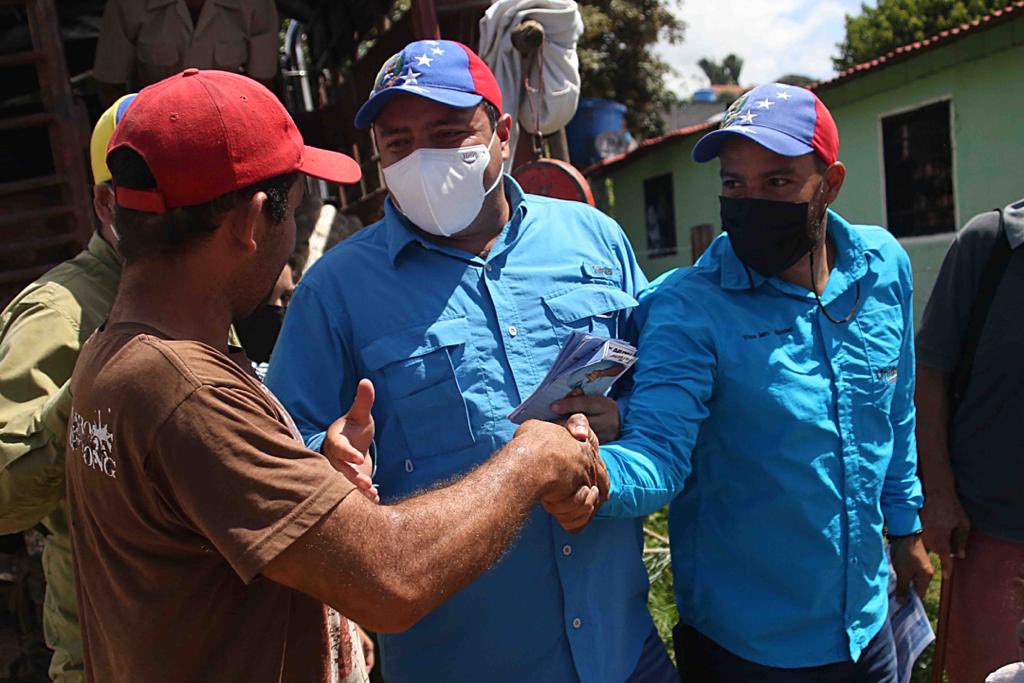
(185, 478)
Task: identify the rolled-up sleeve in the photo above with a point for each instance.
(311, 371)
(673, 383)
(902, 496)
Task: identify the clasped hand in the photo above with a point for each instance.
(581, 479)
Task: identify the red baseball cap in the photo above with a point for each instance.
(206, 133)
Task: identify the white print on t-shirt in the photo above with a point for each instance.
(94, 441)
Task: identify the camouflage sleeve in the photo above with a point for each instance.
(38, 348)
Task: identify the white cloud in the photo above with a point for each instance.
(774, 37)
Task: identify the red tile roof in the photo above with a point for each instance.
(1014, 10)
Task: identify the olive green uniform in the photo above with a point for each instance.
(41, 333)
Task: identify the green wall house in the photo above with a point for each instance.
(931, 134)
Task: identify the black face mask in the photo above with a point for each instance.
(768, 236)
(258, 332)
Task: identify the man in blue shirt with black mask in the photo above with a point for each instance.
(773, 407)
(456, 305)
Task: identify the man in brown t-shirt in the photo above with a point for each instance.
(207, 538)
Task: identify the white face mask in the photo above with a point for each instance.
(441, 190)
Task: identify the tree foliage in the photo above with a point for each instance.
(726, 72)
(877, 30)
(617, 59)
(797, 79)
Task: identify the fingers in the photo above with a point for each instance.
(363, 403)
(937, 540)
(575, 512)
(339, 450)
(602, 483)
(368, 649)
(590, 405)
(902, 584)
(922, 582)
(579, 426)
(958, 541)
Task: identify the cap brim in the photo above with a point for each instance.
(332, 166)
(459, 99)
(774, 141)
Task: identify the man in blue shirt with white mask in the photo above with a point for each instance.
(455, 305)
(773, 407)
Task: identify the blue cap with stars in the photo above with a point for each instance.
(784, 119)
(444, 71)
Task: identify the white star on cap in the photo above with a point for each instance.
(748, 117)
(423, 60)
(436, 51)
(783, 95)
(410, 76)
(764, 104)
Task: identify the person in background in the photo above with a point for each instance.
(143, 42)
(258, 332)
(41, 334)
(773, 408)
(970, 374)
(456, 304)
(210, 543)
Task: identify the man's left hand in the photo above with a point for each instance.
(912, 564)
(601, 411)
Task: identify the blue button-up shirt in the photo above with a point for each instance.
(785, 443)
(453, 342)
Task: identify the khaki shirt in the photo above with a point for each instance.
(144, 41)
(41, 333)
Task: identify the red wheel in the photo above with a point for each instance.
(554, 178)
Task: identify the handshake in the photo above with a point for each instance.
(559, 461)
(572, 478)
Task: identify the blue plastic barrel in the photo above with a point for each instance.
(593, 117)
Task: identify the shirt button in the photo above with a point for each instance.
(408, 465)
(577, 622)
(512, 331)
(567, 550)
(853, 561)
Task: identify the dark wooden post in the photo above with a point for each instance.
(700, 238)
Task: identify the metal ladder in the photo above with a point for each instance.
(44, 219)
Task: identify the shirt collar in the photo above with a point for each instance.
(400, 233)
(104, 253)
(851, 263)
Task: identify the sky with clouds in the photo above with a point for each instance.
(774, 37)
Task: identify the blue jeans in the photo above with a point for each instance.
(701, 659)
(654, 665)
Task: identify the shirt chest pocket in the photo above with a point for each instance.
(882, 337)
(417, 366)
(589, 308)
(230, 55)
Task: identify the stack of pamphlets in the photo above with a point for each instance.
(588, 365)
(910, 628)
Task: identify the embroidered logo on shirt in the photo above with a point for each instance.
(765, 333)
(94, 441)
(887, 375)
